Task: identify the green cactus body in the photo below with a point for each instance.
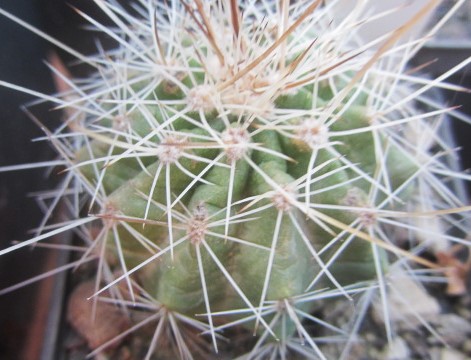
(285, 267)
(244, 167)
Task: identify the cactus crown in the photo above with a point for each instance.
(238, 163)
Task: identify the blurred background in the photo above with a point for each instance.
(22, 56)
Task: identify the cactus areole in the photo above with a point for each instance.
(232, 164)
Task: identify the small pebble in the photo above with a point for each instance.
(467, 347)
(108, 322)
(453, 329)
(397, 350)
(450, 354)
(408, 299)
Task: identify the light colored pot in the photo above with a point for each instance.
(401, 12)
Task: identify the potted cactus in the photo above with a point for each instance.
(231, 167)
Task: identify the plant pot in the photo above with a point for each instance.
(50, 321)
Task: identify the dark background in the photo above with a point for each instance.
(22, 56)
(21, 62)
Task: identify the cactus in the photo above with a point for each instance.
(232, 165)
